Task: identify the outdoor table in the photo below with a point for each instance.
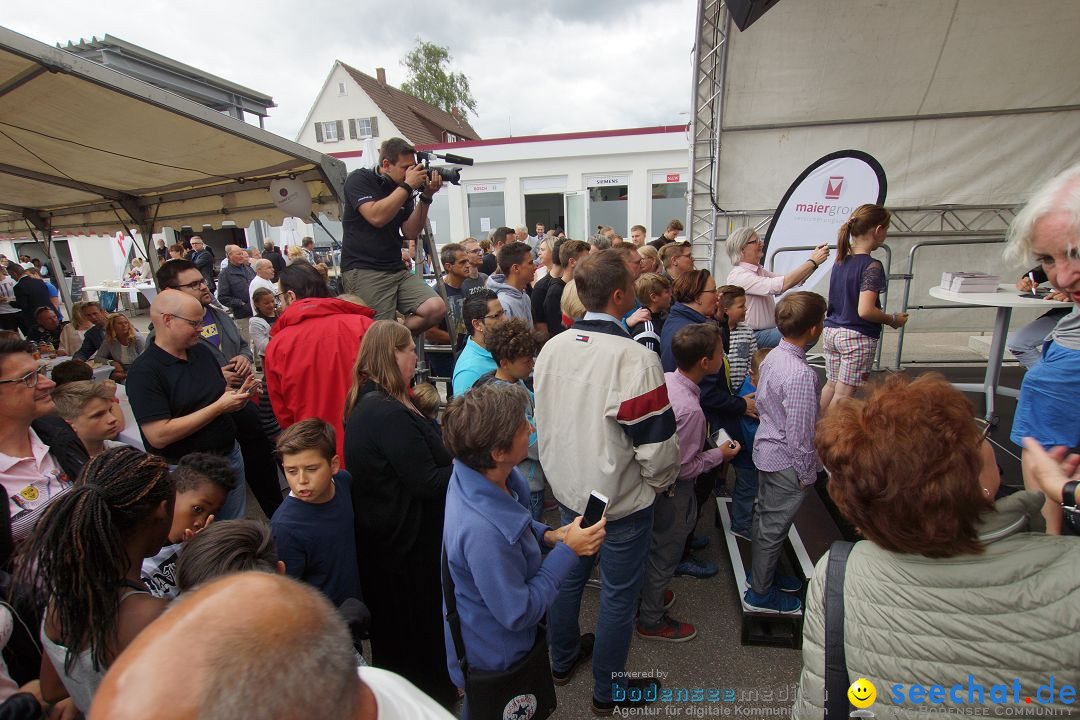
(1005, 299)
(130, 434)
(148, 289)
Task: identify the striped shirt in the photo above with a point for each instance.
(787, 403)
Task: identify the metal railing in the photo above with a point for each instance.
(884, 294)
(910, 275)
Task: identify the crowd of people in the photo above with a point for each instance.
(437, 550)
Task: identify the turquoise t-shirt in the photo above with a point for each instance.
(473, 362)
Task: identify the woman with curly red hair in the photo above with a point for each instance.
(949, 587)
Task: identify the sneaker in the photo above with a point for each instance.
(783, 583)
(696, 568)
(744, 534)
(649, 688)
(584, 653)
(773, 601)
(668, 630)
(669, 599)
(699, 542)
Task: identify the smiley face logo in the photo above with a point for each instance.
(862, 693)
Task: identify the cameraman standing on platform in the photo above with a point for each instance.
(380, 217)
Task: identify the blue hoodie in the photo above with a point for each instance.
(503, 587)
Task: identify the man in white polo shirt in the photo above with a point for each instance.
(39, 463)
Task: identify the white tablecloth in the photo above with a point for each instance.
(148, 289)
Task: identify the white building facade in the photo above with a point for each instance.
(576, 181)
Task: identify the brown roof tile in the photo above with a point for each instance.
(421, 123)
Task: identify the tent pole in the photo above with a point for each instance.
(35, 220)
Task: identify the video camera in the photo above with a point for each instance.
(450, 175)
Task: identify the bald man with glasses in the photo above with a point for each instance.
(179, 396)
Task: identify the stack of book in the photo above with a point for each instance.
(969, 282)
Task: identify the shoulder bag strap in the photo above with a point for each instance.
(836, 673)
(452, 619)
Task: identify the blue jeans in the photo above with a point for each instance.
(622, 570)
(767, 338)
(1026, 343)
(536, 505)
(742, 500)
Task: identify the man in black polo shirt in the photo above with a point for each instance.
(380, 217)
(179, 397)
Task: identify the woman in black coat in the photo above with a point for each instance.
(401, 471)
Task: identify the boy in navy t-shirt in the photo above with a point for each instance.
(313, 526)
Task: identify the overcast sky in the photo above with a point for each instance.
(538, 67)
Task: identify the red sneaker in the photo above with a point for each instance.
(668, 630)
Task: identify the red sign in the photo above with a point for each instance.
(673, 177)
(834, 188)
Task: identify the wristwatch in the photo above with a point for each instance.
(406, 187)
(426, 199)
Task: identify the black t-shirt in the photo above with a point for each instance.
(553, 306)
(162, 386)
(539, 292)
(364, 245)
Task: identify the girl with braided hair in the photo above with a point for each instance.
(86, 553)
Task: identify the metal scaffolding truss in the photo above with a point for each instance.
(710, 58)
(970, 221)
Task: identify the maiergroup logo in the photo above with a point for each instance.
(834, 187)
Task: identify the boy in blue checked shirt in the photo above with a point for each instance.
(787, 403)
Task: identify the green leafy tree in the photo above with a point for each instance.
(430, 80)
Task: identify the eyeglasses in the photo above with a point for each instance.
(705, 291)
(475, 251)
(30, 379)
(496, 316)
(194, 285)
(984, 430)
(195, 324)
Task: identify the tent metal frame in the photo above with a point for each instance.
(141, 206)
(706, 125)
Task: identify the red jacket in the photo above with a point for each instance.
(309, 362)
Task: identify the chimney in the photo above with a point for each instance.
(380, 75)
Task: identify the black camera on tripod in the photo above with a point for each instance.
(450, 175)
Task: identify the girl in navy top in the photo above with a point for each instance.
(854, 320)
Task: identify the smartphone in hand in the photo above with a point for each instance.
(594, 510)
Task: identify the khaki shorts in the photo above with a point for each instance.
(384, 292)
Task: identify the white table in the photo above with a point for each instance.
(148, 290)
(130, 434)
(1005, 299)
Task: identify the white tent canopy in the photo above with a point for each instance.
(87, 150)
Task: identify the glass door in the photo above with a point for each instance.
(576, 211)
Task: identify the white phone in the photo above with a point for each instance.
(594, 510)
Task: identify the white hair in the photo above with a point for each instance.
(263, 262)
(521, 229)
(737, 242)
(1061, 194)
